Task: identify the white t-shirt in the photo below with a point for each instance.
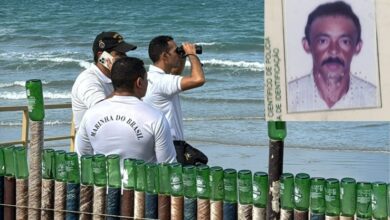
(303, 95)
(126, 126)
(163, 94)
(90, 87)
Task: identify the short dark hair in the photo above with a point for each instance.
(332, 9)
(157, 46)
(125, 71)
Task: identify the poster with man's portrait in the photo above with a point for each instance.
(325, 63)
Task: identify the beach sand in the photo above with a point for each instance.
(362, 166)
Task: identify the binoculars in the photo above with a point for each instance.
(182, 53)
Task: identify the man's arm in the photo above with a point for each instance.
(165, 150)
(91, 93)
(196, 78)
(82, 144)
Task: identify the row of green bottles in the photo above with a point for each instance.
(13, 162)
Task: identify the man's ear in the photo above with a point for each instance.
(99, 53)
(306, 45)
(358, 47)
(138, 82)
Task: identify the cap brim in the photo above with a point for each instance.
(124, 47)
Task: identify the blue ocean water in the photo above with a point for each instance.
(51, 40)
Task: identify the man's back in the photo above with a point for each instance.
(90, 87)
(163, 94)
(126, 126)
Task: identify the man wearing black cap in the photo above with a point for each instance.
(94, 84)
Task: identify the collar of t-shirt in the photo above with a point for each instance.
(100, 74)
(155, 69)
(125, 99)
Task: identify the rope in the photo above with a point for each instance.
(35, 170)
(177, 205)
(190, 208)
(1, 196)
(314, 216)
(203, 211)
(9, 197)
(286, 214)
(244, 212)
(301, 215)
(216, 209)
(75, 212)
(21, 198)
(59, 199)
(72, 200)
(151, 205)
(86, 194)
(127, 203)
(47, 198)
(113, 202)
(259, 213)
(164, 207)
(139, 204)
(229, 211)
(99, 202)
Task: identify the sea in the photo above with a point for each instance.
(52, 41)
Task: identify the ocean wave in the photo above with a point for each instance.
(19, 123)
(206, 44)
(224, 118)
(222, 100)
(253, 66)
(18, 83)
(52, 57)
(46, 95)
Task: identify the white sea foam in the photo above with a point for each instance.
(253, 66)
(18, 83)
(5, 31)
(50, 123)
(206, 43)
(46, 95)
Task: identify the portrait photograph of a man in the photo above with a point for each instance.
(331, 55)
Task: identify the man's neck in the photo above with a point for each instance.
(331, 91)
(125, 93)
(163, 66)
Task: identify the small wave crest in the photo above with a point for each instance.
(224, 118)
(253, 66)
(18, 83)
(206, 43)
(46, 95)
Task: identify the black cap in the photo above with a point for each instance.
(111, 41)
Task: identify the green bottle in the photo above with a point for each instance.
(48, 164)
(363, 200)
(203, 181)
(129, 173)
(36, 109)
(302, 191)
(9, 161)
(379, 200)
(388, 200)
(164, 182)
(287, 191)
(86, 170)
(245, 188)
(60, 166)
(348, 197)
(151, 178)
(2, 162)
(72, 168)
(99, 169)
(332, 197)
(216, 183)
(260, 189)
(317, 195)
(114, 171)
(277, 130)
(176, 179)
(21, 167)
(140, 175)
(189, 181)
(230, 185)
